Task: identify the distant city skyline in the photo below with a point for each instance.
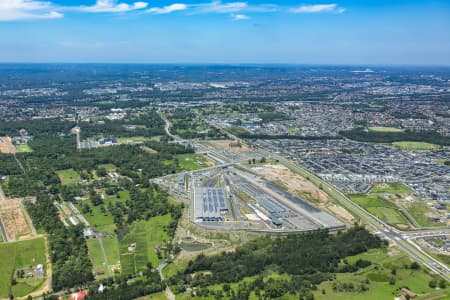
(346, 32)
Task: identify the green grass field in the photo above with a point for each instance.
(191, 162)
(391, 188)
(96, 256)
(146, 235)
(416, 146)
(23, 148)
(111, 245)
(17, 255)
(418, 210)
(156, 235)
(68, 177)
(381, 208)
(108, 167)
(386, 129)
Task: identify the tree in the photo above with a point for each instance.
(415, 266)
(432, 284)
(442, 284)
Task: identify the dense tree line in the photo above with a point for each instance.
(36, 127)
(309, 258)
(68, 249)
(359, 134)
(56, 153)
(147, 125)
(171, 149)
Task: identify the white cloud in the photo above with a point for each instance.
(240, 17)
(219, 7)
(317, 8)
(168, 9)
(112, 6)
(11, 10)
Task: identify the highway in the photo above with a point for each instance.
(402, 239)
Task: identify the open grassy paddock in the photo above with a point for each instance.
(382, 208)
(23, 148)
(68, 177)
(147, 235)
(19, 255)
(416, 146)
(418, 211)
(391, 188)
(192, 162)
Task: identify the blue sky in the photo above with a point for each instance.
(204, 31)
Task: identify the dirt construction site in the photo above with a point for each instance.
(300, 186)
(15, 224)
(6, 145)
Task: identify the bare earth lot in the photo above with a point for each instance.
(17, 225)
(6, 145)
(301, 187)
(224, 144)
(295, 183)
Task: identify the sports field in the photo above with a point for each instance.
(415, 146)
(386, 129)
(68, 177)
(19, 255)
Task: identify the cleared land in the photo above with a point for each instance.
(386, 129)
(6, 145)
(15, 221)
(21, 255)
(68, 177)
(294, 183)
(415, 145)
(224, 144)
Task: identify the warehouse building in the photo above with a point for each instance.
(210, 205)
